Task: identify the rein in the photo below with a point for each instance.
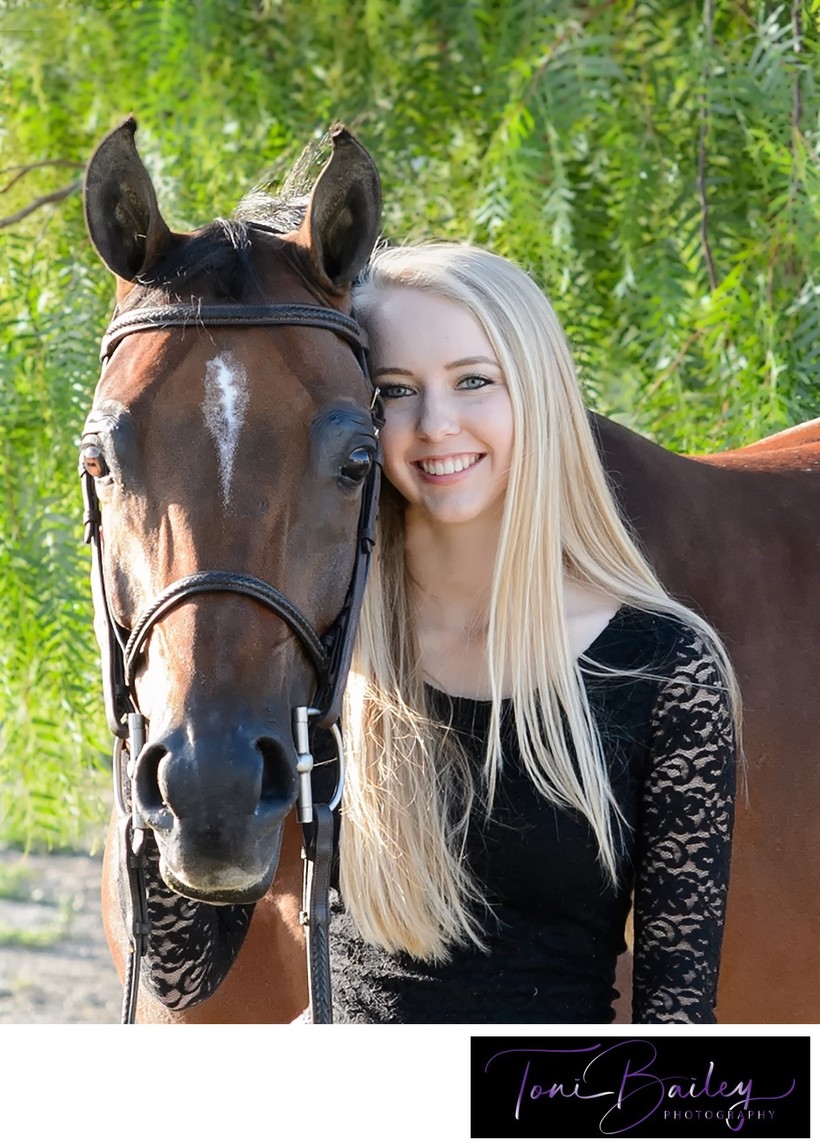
(330, 654)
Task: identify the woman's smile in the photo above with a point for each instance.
(448, 467)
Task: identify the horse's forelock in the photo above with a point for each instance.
(221, 251)
(277, 213)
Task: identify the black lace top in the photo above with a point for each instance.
(553, 926)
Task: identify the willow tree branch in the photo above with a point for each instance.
(41, 201)
(797, 98)
(24, 169)
(676, 362)
(708, 21)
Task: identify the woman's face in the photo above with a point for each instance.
(448, 434)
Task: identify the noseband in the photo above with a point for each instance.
(330, 654)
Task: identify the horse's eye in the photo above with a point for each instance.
(93, 462)
(358, 464)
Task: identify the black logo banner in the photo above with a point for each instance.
(653, 1086)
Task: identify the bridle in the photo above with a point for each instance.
(330, 654)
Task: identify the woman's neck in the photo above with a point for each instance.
(451, 569)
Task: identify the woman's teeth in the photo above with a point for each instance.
(451, 465)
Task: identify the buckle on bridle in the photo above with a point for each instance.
(305, 763)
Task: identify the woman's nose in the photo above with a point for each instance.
(437, 418)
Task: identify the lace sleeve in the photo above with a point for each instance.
(684, 844)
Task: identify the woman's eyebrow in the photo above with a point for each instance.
(392, 371)
(468, 362)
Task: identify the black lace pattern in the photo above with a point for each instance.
(684, 845)
(192, 946)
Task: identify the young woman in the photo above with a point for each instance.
(537, 732)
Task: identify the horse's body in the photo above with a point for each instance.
(735, 535)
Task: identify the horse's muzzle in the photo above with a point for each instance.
(217, 805)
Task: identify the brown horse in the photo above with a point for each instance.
(735, 535)
(224, 460)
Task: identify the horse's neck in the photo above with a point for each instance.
(666, 498)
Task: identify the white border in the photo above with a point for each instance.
(193, 1086)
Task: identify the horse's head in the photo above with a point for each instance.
(224, 462)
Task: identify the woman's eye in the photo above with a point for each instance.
(473, 383)
(388, 391)
(358, 464)
(93, 461)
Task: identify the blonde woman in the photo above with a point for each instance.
(537, 732)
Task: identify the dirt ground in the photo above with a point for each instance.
(54, 963)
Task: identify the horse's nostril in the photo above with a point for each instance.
(277, 772)
(148, 792)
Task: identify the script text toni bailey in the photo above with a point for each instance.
(624, 1071)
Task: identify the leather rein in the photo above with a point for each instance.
(330, 654)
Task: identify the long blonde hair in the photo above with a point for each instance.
(410, 791)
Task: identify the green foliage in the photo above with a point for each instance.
(653, 163)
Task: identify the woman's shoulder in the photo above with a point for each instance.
(673, 669)
(658, 642)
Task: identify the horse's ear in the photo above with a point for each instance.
(344, 213)
(121, 210)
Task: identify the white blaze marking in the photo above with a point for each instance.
(226, 401)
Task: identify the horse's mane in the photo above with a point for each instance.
(222, 249)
